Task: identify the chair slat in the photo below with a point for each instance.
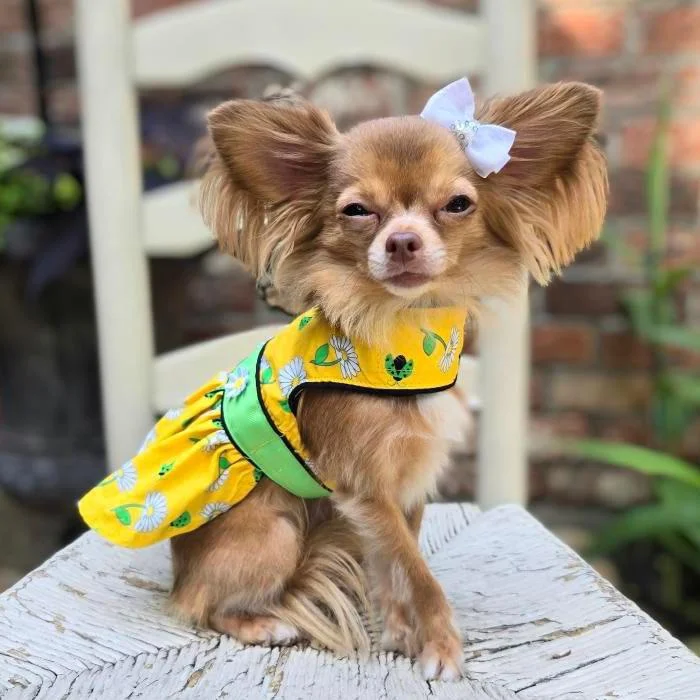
(306, 38)
(178, 373)
(172, 224)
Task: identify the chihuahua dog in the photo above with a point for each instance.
(364, 225)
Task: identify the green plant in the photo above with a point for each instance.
(25, 192)
(672, 520)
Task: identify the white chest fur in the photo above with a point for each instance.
(450, 423)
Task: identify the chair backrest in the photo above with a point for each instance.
(179, 46)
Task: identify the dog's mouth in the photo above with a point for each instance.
(407, 280)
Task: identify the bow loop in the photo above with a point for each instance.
(487, 146)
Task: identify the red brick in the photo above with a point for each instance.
(579, 31)
(17, 101)
(537, 389)
(684, 142)
(545, 431)
(571, 344)
(600, 393)
(686, 359)
(690, 446)
(631, 430)
(624, 351)
(563, 424)
(57, 15)
(64, 102)
(673, 30)
(628, 193)
(582, 298)
(686, 86)
(12, 16)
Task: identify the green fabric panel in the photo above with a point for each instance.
(247, 425)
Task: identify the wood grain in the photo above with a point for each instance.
(538, 623)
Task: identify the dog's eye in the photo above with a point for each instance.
(355, 209)
(459, 204)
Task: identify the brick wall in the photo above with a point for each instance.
(590, 374)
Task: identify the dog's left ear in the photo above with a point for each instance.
(549, 200)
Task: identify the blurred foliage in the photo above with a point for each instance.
(26, 192)
(672, 521)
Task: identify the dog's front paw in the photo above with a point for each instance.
(441, 658)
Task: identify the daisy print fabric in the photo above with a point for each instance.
(186, 474)
(190, 470)
(346, 356)
(291, 375)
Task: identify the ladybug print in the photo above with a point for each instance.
(398, 367)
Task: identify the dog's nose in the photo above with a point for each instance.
(403, 246)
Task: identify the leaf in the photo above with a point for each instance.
(168, 167)
(658, 182)
(428, 344)
(685, 386)
(321, 354)
(639, 523)
(166, 468)
(224, 464)
(640, 459)
(123, 515)
(686, 552)
(67, 191)
(638, 303)
(182, 520)
(674, 336)
(266, 376)
(678, 496)
(670, 279)
(304, 321)
(284, 405)
(671, 416)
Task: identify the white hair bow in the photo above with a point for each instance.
(487, 145)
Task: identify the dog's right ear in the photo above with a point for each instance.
(268, 176)
(276, 150)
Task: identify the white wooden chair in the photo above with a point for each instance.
(309, 38)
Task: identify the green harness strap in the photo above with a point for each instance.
(253, 434)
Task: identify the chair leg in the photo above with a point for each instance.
(112, 160)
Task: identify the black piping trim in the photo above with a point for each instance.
(289, 445)
(293, 398)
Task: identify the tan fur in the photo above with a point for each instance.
(276, 194)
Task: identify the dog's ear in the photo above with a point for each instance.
(549, 200)
(267, 178)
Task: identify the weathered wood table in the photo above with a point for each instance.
(538, 623)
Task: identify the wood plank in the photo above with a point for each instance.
(172, 224)
(537, 621)
(120, 273)
(305, 38)
(178, 373)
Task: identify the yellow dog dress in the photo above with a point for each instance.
(207, 455)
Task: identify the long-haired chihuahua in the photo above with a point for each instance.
(396, 215)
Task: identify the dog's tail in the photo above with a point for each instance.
(326, 596)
